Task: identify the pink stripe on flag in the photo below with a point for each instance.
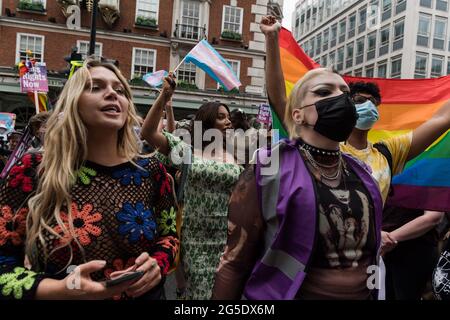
(209, 59)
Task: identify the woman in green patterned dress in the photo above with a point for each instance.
(210, 180)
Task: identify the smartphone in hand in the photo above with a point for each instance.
(133, 275)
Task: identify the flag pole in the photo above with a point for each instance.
(36, 101)
(179, 65)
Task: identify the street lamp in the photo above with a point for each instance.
(94, 4)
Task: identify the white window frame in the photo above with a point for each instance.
(238, 72)
(79, 42)
(157, 11)
(421, 55)
(134, 56)
(29, 35)
(241, 19)
(189, 29)
(442, 60)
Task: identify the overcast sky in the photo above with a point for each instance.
(288, 9)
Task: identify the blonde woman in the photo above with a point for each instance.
(88, 209)
(311, 228)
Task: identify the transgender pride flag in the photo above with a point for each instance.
(204, 56)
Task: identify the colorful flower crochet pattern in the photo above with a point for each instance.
(132, 174)
(137, 222)
(83, 222)
(12, 227)
(22, 174)
(167, 222)
(85, 175)
(17, 281)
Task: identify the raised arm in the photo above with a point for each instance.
(245, 231)
(150, 130)
(430, 131)
(276, 89)
(170, 117)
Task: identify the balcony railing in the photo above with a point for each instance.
(185, 31)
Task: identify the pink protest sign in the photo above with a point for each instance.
(264, 114)
(35, 80)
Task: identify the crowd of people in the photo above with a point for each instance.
(104, 194)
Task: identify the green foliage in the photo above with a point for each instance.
(231, 35)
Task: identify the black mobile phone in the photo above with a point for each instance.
(134, 275)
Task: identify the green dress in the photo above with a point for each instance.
(205, 217)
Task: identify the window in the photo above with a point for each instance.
(332, 58)
(371, 44)
(401, 6)
(442, 5)
(421, 65)
(370, 71)
(437, 66)
(32, 42)
(350, 50)
(440, 27)
(326, 36)
(324, 61)
(147, 9)
(396, 67)
(425, 3)
(144, 61)
(448, 66)
(384, 35)
(232, 19)
(387, 4)
(352, 25)
(190, 20)
(424, 30)
(360, 50)
(358, 73)
(342, 30)
(333, 35)
(340, 59)
(187, 73)
(382, 69)
(83, 49)
(318, 44)
(362, 20)
(399, 29)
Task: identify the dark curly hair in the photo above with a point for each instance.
(367, 88)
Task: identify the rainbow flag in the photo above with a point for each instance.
(406, 104)
(42, 99)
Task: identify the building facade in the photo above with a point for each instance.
(376, 38)
(142, 36)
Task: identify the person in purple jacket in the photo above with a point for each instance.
(310, 229)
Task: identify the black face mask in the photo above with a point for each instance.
(336, 117)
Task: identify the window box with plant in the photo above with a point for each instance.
(137, 81)
(31, 5)
(142, 21)
(231, 35)
(233, 91)
(184, 85)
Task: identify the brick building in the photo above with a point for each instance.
(143, 36)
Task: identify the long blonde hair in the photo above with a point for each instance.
(65, 152)
(297, 95)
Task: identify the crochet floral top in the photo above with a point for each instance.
(118, 213)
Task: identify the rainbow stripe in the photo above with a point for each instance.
(425, 182)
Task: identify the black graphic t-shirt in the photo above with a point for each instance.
(346, 227)
(441, 275)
